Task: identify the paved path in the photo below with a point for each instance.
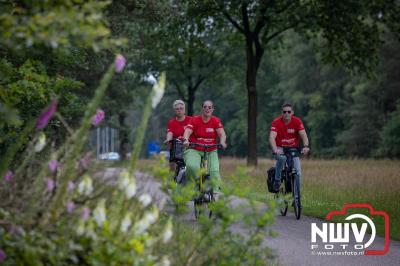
(293, 241)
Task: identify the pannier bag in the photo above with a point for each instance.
(177, 150)
(270, 179)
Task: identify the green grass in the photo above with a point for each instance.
(328, 184)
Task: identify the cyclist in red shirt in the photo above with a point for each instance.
(204, 129)
(176, 126)
(286, 131)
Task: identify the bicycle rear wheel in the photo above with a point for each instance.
(296, 196)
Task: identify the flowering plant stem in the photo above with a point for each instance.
(140, 133)
(78, 141)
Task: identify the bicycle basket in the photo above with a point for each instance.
(177, 150)
(270, 179)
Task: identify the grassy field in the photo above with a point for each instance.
(328, 184)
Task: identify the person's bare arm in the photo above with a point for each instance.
(168, 137)
(272, 141)
(304, 138)
(222, 137)
(186, 136)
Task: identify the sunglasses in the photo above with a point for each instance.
(207, 107)
(286, 112)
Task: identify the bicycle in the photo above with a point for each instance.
(206, 195)
(176, 153)
(290, 182)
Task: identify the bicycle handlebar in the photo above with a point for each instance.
(290, 150)
(175, 140)
(204, 146)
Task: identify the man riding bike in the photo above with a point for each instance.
(286, 131)
(204, 129)
(176, 126)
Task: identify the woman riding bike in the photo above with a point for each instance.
(204, 129)
(176, 126)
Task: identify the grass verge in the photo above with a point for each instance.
(328, 184)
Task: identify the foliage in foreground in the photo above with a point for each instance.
(55, 212)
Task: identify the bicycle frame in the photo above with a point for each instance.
(204, 165)
(289, 171)
(205, 196)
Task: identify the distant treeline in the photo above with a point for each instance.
(345, 115)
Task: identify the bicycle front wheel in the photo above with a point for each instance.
(281, 200)
(202, 208)
(296, 196)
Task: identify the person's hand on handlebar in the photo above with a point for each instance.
(305, 150)
(186, 143)
(278, 151)
(223, 144)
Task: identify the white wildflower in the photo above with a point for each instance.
(81, 228)
(130, 190)
(85, 187)
(145, 199)
(148, 219)
(126, 223)
(124, 179)
(99, 213)
(164, 262)
(167, 235)
(158, 91)
(41, 142)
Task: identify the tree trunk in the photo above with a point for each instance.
(254, 53)
(123, 135)
(191, 98)
(252, 114)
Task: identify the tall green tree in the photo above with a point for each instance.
(350, 32)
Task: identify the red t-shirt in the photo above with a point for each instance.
(178, 127)
(204, 133)
(287, 135)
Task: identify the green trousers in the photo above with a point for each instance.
(193, 158)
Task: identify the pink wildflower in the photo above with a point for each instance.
(70, 207)
(53, 165)
(46, 115)
(85, 213)
(71, 186)
(8, 176)
(3, 255)
(120, 62)
(50, 184)
(98, 117)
